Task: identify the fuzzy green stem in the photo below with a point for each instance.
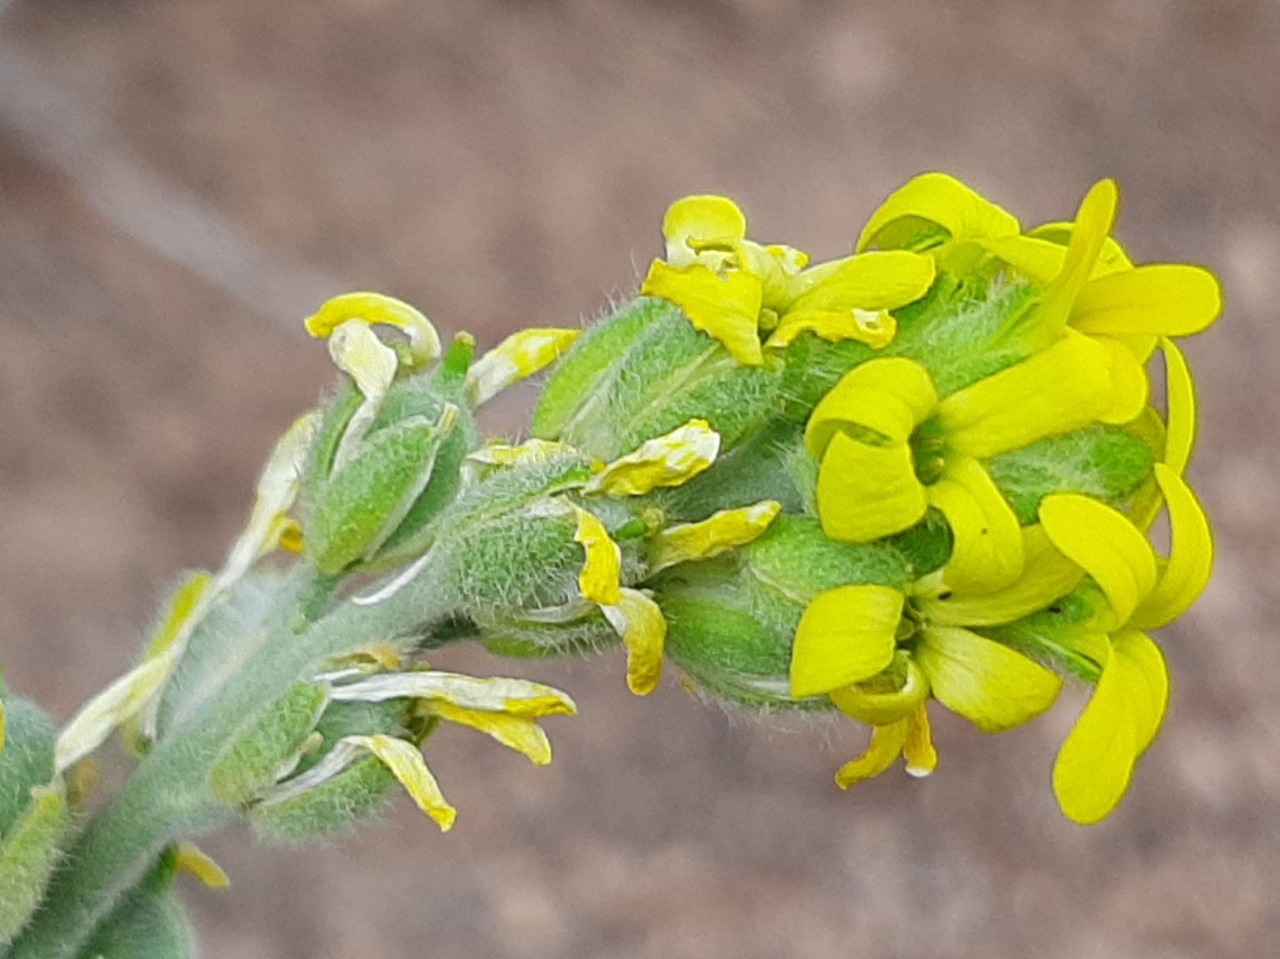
(168, 795)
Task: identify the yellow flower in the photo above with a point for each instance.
(735, 289)
(1143, 591)
(890, 447)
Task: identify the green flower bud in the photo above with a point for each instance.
(148, 924)
(26, 759)
(643, 372)
(28, 853)
(332, 807)
(257, 758)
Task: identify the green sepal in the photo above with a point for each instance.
(149, 923)
(255, 759)
(355, 719)
(335, 806)
(364, 502)
(926, 546)
(508, 635)
(660, 373)
(1060, 637)
(27, 758)
(28, 854)
(1105, 462)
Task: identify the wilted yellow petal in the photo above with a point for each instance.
(1105, 544)
(870, 704)
(410, 769)
(643, 628)
(890, 396)
(189, 598)
(866, 492)
(694, 220)
(1190, 560)
(668, 460)
(987, 683)
(712, 536)
(1180, 431)
(938, 199)
(726, 307)
(519, 356)
(874, 328)
(515, 732)
(190, 858)
(601, 576)
(1063, 388)
(1095, 764)
(374, 308)
(1165, 299)
(886, 746)
(357, 351)
(921, 758)
(497, 694)
(987, 551)
(846, 635)
(530, 451)
(1047, 575)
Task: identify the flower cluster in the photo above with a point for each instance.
(951, 457)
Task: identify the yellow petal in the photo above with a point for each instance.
(886, 746)
(190, 858)
(878, 707)
(726, 307)
(668, 460)
(1063, 388)
(1190, 560)
(890, 396)
(1180, 433)
(866, 492)
(921, 758)
(1035, 258)
(1094, 220)
(1165, 299)
(846, 635)
(874, 328)
(1112, 259)
(1095, 764)
(407, 765)
(987, 551)
(1130, 388)
(1047, 575)
(496, 694)
(357, 351)
(374, 308)
(699, 219)
(643, 628)
(882, 280)
(1105, 544)
(519, 356)
(515, 732)
(935, 198)
(984, 681)
(601, 576)
(712, 536)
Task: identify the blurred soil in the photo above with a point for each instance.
(182, 181)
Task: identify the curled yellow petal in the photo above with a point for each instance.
(1094, 220)
(1095, 765)
(987, 551)
(407, 765)
(725, 307)
(601, 576)
(921, 758)
(694, 220)
(712, 536)
(1190, 564)
(515, 732)
(987, 683)
(940, 200)
(1105, 544)
(883, 751)
(869, 703)
(190, 858)
(643, 628)
(519, 356)
(889, 396)
(1130, 388)
(1165, 299)
(846, 635)
(668, 460)
(375, 308)
(868, 491)
(1180, 431)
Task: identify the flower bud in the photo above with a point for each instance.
(27, 737)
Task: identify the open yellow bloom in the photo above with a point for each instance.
(890, 447)
(1143, 591)
(735, 289)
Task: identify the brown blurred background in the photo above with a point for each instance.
(181, 181)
